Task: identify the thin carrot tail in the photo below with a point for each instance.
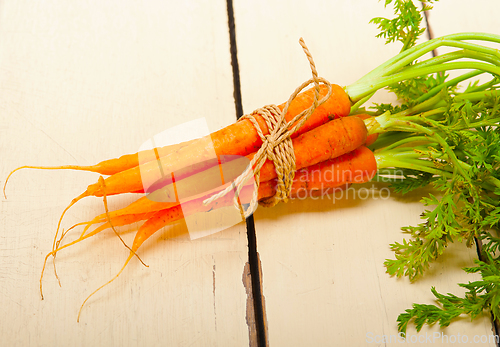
(55, 243)
(62, 167)
(43, 271)
(54, 252)
(57, 248)
(105, 201)
(96, 220)
(105, 284)
(74, 201)
(64, 233)
(89, 224)
(82, 237)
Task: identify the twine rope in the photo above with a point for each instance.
(276, 146)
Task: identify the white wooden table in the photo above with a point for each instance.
(84, 81)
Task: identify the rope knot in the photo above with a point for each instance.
(269, 149)
(276, 145)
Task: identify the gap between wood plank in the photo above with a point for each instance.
(255, 302)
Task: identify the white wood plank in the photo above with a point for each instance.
(324, 281)
(450, 17)
(84, 81)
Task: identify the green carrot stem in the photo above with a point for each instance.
(406, 140)
(482, 87)
(388, 160)
(420, 107)
(358, 104)
(476, 96)
(413, 127)
(387, 138)
(408, 56)
(449, 83)
(358, 91)
(390, 72)
(488, 58)
(427, 116)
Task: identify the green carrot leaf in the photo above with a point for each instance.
(482, 296)
(406, 26)
(411, 180)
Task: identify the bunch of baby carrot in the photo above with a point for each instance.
(327, 141)
(330, 147)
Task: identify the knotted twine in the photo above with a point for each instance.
(276, 146)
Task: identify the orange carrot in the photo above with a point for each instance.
(338, 105)
(371, 138)
(356, 166)
(324, 142)
(239, 138)
(112, 166)
(329, 141)
(155, 220)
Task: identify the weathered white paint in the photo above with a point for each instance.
(86, 81)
